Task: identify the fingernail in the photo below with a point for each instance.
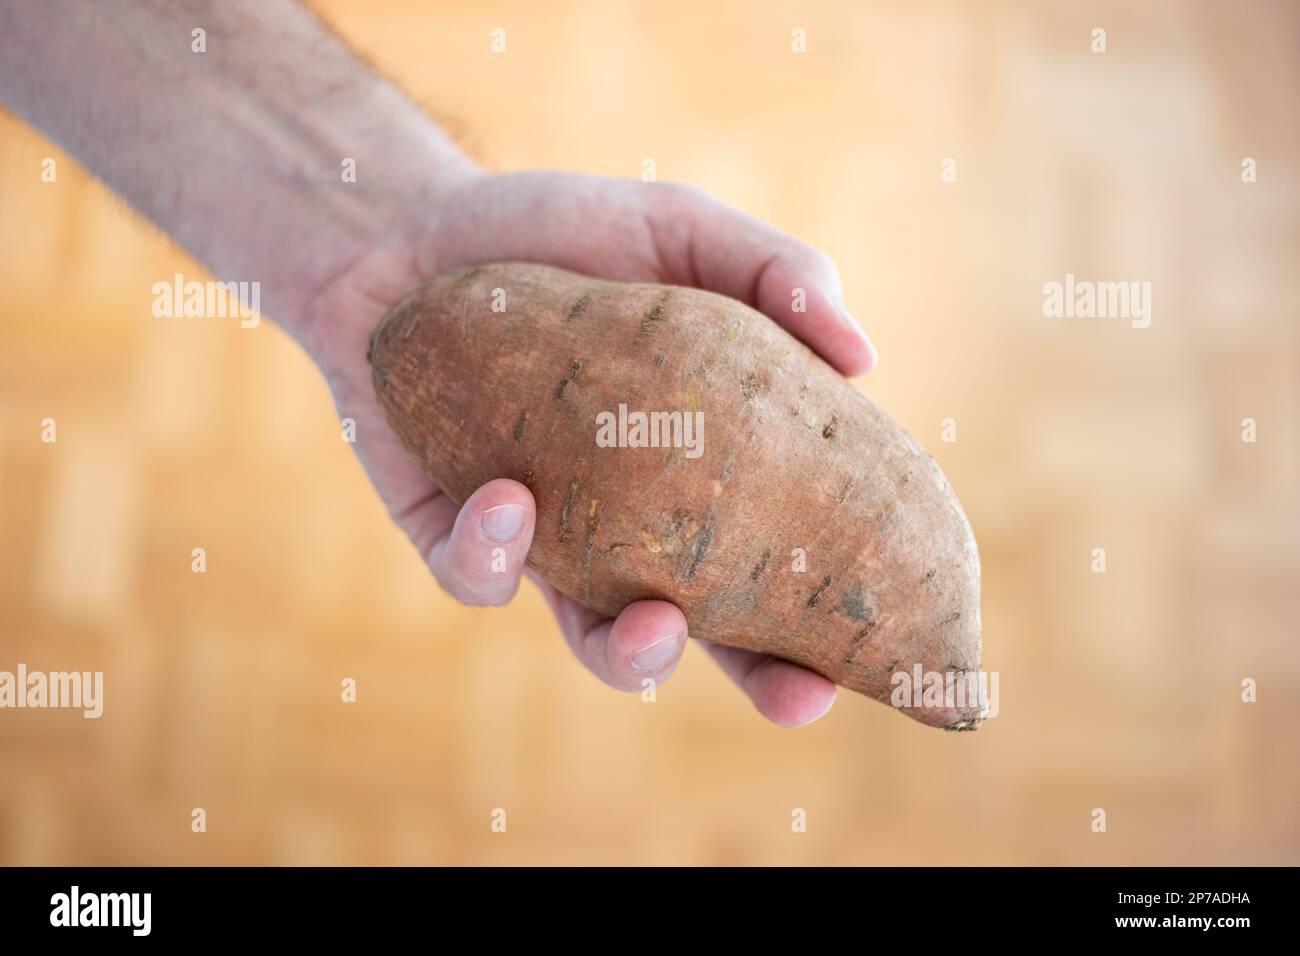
(829, 704)
(655, 655)
(852, 323)
(502, 523)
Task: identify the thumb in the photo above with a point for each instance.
(480, 560)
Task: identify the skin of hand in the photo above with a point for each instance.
(623, 230)
(235, 152)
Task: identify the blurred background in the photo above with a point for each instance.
(1118, 690)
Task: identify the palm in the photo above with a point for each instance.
(616, 229)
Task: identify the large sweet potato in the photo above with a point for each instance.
(806, 524)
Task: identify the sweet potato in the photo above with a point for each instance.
(806, 524)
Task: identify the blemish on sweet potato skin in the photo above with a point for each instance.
(794, 456)
(702, 544)
(858, 640)
(593, 526)
(817, 594)
(844, 493)
(655, 315)
(566, 512)
(857, 604)
(580, 306)
(574, 368)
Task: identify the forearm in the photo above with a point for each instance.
(238, 152)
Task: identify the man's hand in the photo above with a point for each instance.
(614, 229)
(233, 143)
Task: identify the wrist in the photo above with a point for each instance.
(385, 251)
(391, 173)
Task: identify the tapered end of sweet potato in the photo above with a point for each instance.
(934, 672)
(956, 718)
(917, 648)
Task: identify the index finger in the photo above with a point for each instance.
(707, 244)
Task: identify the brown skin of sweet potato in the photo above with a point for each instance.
(794, 457)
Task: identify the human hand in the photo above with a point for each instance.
(332, 253)
(622, 230)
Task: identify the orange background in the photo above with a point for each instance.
(1118, 690)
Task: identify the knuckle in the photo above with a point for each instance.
(679, 195)
(491, 590)
(485, 597)
(822, 264)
